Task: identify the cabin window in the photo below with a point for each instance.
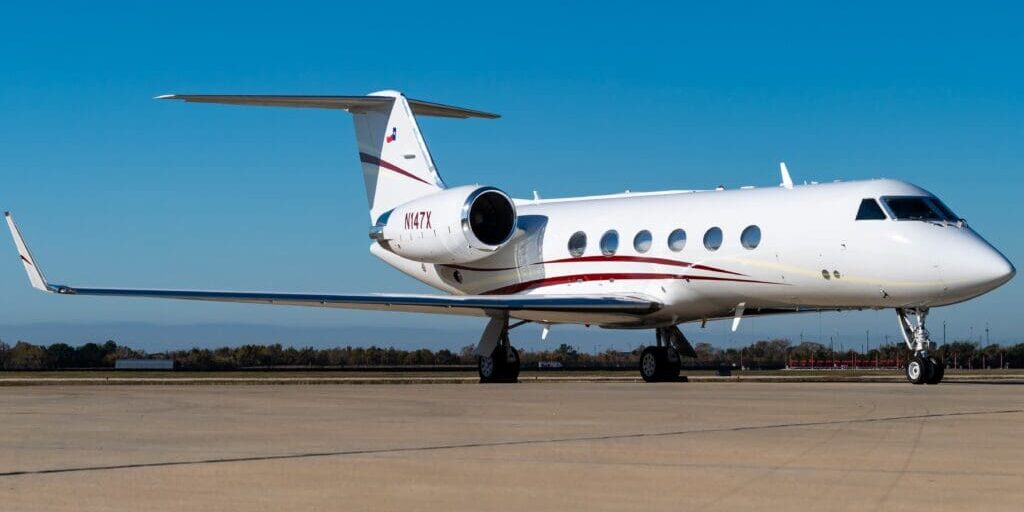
(610, 242)
(751, 237)
(869, 210)
(677, 240)
(642, 241)
(914, 208)
(713, 239)
(577, 244)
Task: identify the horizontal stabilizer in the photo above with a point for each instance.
(350, 103)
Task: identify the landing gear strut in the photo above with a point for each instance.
(662, 362)
(502, 363)
(923, 368)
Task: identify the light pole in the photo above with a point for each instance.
(832, 350)
(867, 343)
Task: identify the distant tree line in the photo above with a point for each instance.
(765, 354)
(26, 356)
(779, 353)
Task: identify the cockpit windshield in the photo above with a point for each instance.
(920, 208)
(950, 216)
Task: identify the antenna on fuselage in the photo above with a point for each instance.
(787, 181)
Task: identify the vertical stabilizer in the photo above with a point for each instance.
(397, 166)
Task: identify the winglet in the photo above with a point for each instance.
(35, 276)
(787, 181)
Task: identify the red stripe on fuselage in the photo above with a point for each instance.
(643, 259)
(372, 160)
(575, 278)
(631, 259)
(475, 269)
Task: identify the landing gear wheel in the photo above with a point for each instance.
(938, 371)
(919, 370)
(649, 364)
(659, 364)
(512, 365)
(672, 364)
(922, 368)
(501, 366)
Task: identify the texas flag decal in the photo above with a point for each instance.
(394, 135)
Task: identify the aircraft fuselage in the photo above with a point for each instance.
(812, 253)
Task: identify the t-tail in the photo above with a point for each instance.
(397, 166)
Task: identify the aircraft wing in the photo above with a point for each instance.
(605, 307)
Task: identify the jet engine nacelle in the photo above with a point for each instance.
(454, 226)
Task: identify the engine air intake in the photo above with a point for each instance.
(491, 216)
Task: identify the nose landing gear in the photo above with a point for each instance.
(923, 368)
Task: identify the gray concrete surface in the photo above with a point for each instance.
(540, 446)
(29, 379)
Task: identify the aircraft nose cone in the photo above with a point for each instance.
(993, 270)
(975, 268)
(1004, 270)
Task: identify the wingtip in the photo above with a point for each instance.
(35, 275)
(165, 97)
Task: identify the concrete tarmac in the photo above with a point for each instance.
(539, 446)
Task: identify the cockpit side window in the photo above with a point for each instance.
(869, 210)
(913, 208)
(950, 216)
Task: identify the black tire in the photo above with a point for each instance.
(651, 364)
(938, 371)
(919, 370)
(501, 366)
(659, 364)
(487, 369)
(672, 364)
(511, 366)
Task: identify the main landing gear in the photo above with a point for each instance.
(662, 362)
(923, 368)
(502, 365)
(496, 359)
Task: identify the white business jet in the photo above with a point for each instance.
(632, 260)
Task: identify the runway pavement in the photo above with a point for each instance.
(538, 446)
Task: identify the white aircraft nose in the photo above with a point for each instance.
(974, 268)
(992, 270)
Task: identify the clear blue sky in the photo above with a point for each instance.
(114, 188)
